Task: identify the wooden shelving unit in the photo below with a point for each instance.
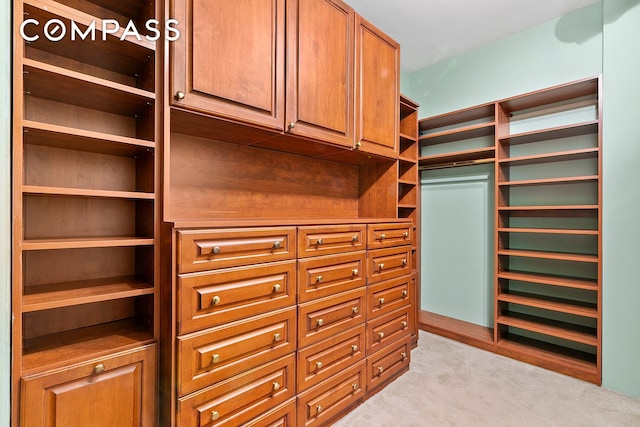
(86, 205)
(548, 238)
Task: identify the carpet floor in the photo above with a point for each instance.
(453, 384)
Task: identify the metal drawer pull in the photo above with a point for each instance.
(277, 287)
(381, 301)
(277, 337)
(216, 250)
(381, 267)
(380, 335)
(215, 358)
(215, 300)
(355, 310)
(291, 125)
(383, 236)
(319, 322)
(405, 293)
(380, 370)
(405, 234)
(215, 415)
(354, 387)
(277, 245)
(99, 368)
(354, 348)
(319, 279)
(404, 261)
(319, 241)
(318, 365)
(354, 272)
(404, 355)
(179, 95)
(355, 238)
(276, 386)
(319, 408)
(404, 323)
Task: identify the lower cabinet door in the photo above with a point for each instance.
(118, 390)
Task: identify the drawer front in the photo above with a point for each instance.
(390, 295)
(320, 361)
(326, 317)
(282, 416)
(387, 329)
(385, 264)
(386, 365)
(323, 276)
(331, 398)
(218, 297)
(326, 240)
(215, 354)
(200, 250)
(389, 234)
(240, 399)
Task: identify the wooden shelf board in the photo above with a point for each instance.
(466, 132)
(585, 87)
(552, 181)
(559, 156)
(548, 356)
(569, 332)
(458, 156)
(408, 138)
(37, 133)
(549, 134)
(553, 304)
(65, 348)
(83, 192)
(549, 231)
(550, 255)
(407, 105)
(461, 116)
(407, 182)
(79, 243)
(459, 330)
(408, 159)
(566, 282)
(45, 297)
(569, 211)
(407, 206)
(58, 84)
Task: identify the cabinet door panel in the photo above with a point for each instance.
(377, 95)
(118, 390)
(226, 70)
(320, 70)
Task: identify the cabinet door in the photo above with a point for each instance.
(118, 390)
(320, 70)
(377, 95)
(229, 60)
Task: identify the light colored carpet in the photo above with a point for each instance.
(452, 384)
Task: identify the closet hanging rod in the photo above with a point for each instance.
(457, 164)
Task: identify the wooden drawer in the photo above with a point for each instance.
(389, 234)
(215, 354)
(122, 385)
(389, 328)
(331, 356)
(326, 317)
(332, 398)
(240, 399)
(283, 416)
(385, 264)
(326, 240)
(200, 250)
(390, 295)
(323, 276)
(387, 364)
(214, 298)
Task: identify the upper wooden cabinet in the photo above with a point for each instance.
(229, 60)
(335, 79)
(320, 70)
(377, 93)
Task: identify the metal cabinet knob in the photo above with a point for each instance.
(358, 145)
(380, 370)
(354, 348)
(354, 272)
(319, 322)
(215, 300)
(215, 415)
(277, 287)
(179, 95)
(380, 335)
(215, 358)
(355, 238)
(404, 323)
(405, 293)
(277, 245)
(319, 408)
(354, 387)
(381, 266)
(319, 279)
(215, 250)
(355, 310)
(320, 241)
(276, 386)
(404, 261)
(405, 234)
(381, 301)
(99, 368)
(291, 125)
(318, 365)
(383, 236)
(403, 355)
(277, 337)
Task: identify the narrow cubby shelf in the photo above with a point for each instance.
(58, 84)
(49, 296)
(549, 231)
(560, 256)
(407, 182)
(485, 153)
(584, 153)
(50, 135)
(458, 134)
(406, 206)
(551, 210)
(548, 134)
(551, 280)
(551, 181)
(407, 138)
(563, 330)
(83, 192)
(407, 159)
(89, 242)
(553, 304)
(63, 348)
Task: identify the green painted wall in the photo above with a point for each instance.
(601, 38)
(621, 213)
(5, 210)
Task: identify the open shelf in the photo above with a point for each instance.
(45, 297)
(83, 192)
(576, 129)
(573, 90)
(562, 330)
(571, 211)
(548, 303)
(99, 242)
(549, 231)
(549, 255)
(551, 181)
(545, 279)
(458, 156)
(466, 132)
(484, 111)
(561, 156)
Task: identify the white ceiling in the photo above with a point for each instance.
(432, 30)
